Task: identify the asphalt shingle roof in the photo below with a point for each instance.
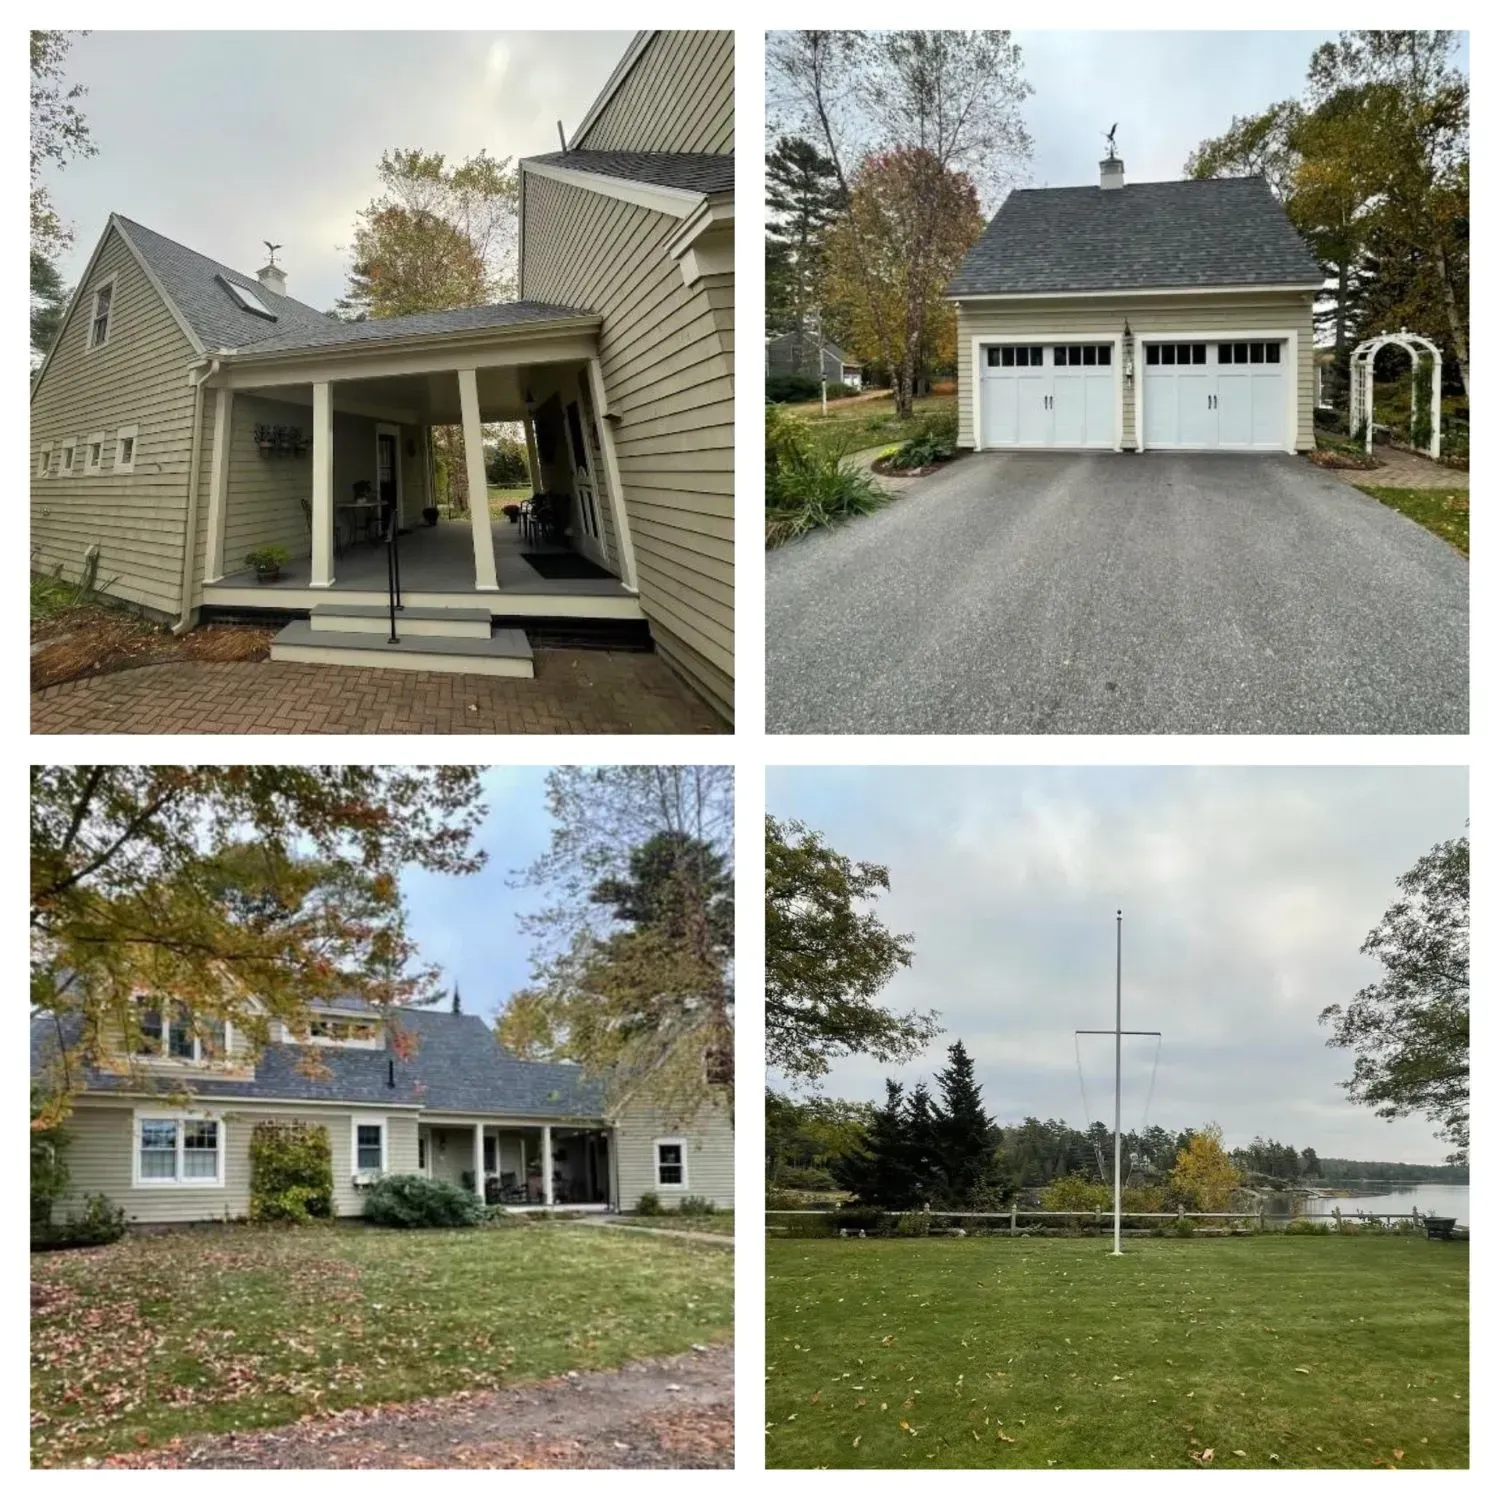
(456, 1065)
(694, 172)
(1222, 231)
(192, 282)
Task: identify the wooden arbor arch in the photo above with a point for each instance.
(1362, 385)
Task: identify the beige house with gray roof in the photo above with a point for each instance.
(191, 415)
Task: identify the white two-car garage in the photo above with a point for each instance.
(1229, 393)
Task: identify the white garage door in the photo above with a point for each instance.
(1216, 395)
(1047, 396)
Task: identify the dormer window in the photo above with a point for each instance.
(247, 298)
(343, 1031)
(99, 321)
(168, 1030)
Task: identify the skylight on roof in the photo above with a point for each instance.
(247, 299)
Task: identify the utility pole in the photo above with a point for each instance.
(1118, 1035)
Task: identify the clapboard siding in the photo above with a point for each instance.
(1106, 316)
(679, 96)
(710, 1155)
(102, 1138)
(667, 361)
(138, 378)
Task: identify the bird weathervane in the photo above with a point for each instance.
(1109, 135)
(272, 249)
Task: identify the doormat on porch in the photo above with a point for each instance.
(564, 565)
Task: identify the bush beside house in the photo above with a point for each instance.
(405, 1201)
(291, 1172)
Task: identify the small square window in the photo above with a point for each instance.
(1184, 354)
(1200, 354)
(1226, 354)
(67, 458)
(1169, 354)
(1106, 354)
(1273, 354)
(125, 444)
(93, 454)
(1090, 354)
(1060, 355)
(44, 461)
(369, 1146)
(1036, 354)
(1241, 354)
(1153, 354)
(992, 357)
(1008, 357)
(1257, 354)
(670, 1167)
(99, 322)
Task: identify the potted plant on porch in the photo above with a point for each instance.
(430, 515)
(267, 562)
(512, 513)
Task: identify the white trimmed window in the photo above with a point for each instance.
(167, 1031)
(69, 449)
(93, 454)
(367, 1143)
(343, 1031)
(125, 443)
(671, 1162)
(44, 461)
(100, 320)
(174, 1148)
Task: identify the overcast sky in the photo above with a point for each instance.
(1247, 894)
(221, 140)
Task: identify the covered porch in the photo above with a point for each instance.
(503, 1163)
(309, 448)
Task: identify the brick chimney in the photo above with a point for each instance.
(1111, 172)
(273, 278)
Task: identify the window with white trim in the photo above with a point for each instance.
(178, 1150)
(125, 443)
(93, 454)
(99, 317)
(671, 1162)
(168, 1030)
(367, 1146)
(44, 461)
(69, 448)
(343, 1031)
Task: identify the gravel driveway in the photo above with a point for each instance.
(1120, 594)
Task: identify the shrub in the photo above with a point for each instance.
(808, 1179)
(411, 1202)
(810, 483)
(291, 1172)
(648, 1205)
(49, 1167)
(696, 1208)
(1307, 1226)
(914, 1226)
(505, 463)
(855, 1219)
(266, 559)
(1184, 1229)
(932, 443)
(788, 388)
(1076, 1195)
(100, 1223)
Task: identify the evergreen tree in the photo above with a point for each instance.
(924, 1156)
(878, 1171)
(803, 198)
(961, 1130)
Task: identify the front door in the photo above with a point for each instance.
(387, 485)
(586, 531)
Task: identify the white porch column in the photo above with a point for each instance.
(612, 473)
(218, 491)
(479, 495)
(322, 486)
(547, 1164)
(479, 1162)
(533, 463)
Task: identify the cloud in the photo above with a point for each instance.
(1247, 894)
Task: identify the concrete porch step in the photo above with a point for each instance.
(375, 619)
(503, 653)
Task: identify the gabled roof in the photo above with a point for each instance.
(455, 1065)
(633, 54)
(687, 171)
(1220, 231)
(193, 284)
(812, 341)
(190, 281)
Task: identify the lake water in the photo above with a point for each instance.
(1443, 1200)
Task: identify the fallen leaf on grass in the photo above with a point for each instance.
(1302, 1370)
(1206, 1457)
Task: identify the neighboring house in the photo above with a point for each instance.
(1175, 315)
(444, 1100)
(189, 414)
(796, 353)
(635, 220)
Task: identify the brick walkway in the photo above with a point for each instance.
(574, 692)
(1400, 470)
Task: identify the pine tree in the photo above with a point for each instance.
(878, 1171)
(923, 1152)
(802, 199)
(961, 1133)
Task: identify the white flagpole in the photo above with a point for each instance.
(1119, 919)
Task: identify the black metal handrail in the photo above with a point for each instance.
(392, 526)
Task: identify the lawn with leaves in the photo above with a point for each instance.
(851, 427)
(211, 1330)
(1444, 512)
(1346, 1351)
(715, 1223)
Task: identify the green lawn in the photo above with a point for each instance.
(869, 424)
(1273, 1351)
(207, 1330)
(715, 1223)
(1445, 512)
(500, 497)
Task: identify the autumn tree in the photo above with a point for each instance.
(1409, 1029)
(946, 105)
(632, 958)
(1203, 1176)
(243, 894)
(827, 958)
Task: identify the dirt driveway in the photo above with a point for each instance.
(675, 1413)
